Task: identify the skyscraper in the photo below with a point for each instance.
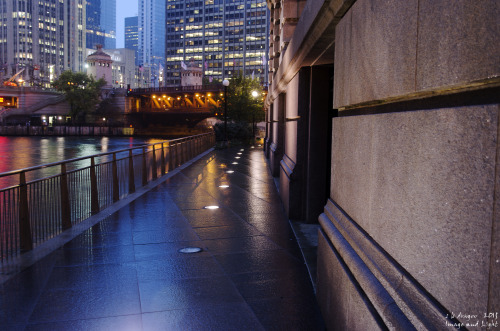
(152, 36)
(132, 35)
(42, 37)
(222, 36)
(101, 23)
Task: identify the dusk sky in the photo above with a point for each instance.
(124, 8)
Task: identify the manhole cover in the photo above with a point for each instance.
(190, 250)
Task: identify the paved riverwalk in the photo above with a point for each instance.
(127, 272)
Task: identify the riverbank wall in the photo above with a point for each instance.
(65, 131)
(20, 130)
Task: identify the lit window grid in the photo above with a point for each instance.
(185, 37)
(36, 35)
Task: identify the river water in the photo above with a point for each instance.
(23, 152)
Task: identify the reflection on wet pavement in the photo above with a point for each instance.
(128, 273)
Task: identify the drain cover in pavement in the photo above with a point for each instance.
(190, 250)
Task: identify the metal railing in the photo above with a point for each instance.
(38, 209)
(174, 89)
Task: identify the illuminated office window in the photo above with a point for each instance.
(218, 35)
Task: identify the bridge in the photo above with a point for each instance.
(182, 104)
(19, 104)
(141, 107)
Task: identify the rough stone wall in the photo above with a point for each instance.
(410, 236)
(387, 48)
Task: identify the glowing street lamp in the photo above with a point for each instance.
(255, 94)
(225, 82)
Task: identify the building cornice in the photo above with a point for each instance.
(312, 42)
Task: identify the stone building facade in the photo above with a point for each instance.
(383, 126)
(100, 65)
(191, 74)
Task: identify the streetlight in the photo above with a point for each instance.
(255, 94)
(225, 82)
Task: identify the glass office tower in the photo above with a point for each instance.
(152, 37)
(223, 36)
(132, 35)
(101, 23)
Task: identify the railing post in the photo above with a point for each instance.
(154, 171)
(184, 150)
(192, 147)
(24, 215)
(176, 154)
(131, 179)
(116, 187)
(162, 159)
(144, 169)
(181, 152)
(94, 194)
(195, 146)
(65, 204)
(169, 157)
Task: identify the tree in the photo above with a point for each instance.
(242, 106)
(206, 81)
(82, 92)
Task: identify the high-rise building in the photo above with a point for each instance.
(132, 35)
(101, 23)
(222, 36)
(42, 37)
(152, 36)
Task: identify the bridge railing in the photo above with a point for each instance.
(38, 209)
(173, 89)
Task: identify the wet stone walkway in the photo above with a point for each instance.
(127, 273)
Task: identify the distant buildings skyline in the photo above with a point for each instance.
(222, 37)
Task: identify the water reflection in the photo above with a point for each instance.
(23, 152)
